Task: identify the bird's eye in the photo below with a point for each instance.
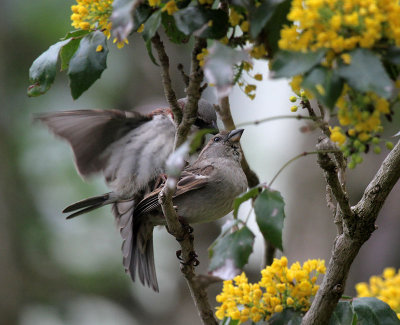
(217, 139)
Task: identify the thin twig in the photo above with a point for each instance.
(185, 77)
(193, 92)
(166, 79)
(273, 118)
(303, 154)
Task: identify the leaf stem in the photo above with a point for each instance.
(303, 154)
(272, 118)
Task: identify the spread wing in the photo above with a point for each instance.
(129, 148)
(191, 179)
(90, 132)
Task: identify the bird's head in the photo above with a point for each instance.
(224, 145)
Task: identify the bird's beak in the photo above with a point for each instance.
(235, 135)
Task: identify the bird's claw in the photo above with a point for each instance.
(192, 258)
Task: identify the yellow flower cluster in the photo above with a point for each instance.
(340, 25)
(247, 88)
(94, 14)
(385, 287)
(170, 7)
(201, 56)
(237, 19)
(280, 287)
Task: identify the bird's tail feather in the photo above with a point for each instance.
(137, 246)
(89, 204)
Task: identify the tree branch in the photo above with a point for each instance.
(193, 94)
(184, 122)
(348, 244)
(166, 79)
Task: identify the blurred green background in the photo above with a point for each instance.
(54, 271)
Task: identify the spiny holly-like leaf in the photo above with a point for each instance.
(121, 18)
(198, 139)
(269, 209)
(372, 311)
(87, 64)
(140, 15)
(217, 24)
(150, 28)
(174, 34)
(229, 253)
(366, 73)
(250, 194)
(207, 23)
(287, 317)
(68, 50)
(271, 33)
(43, 70)
(259, 16)
(190, 19)
(393, 55)
(79, 33)
(325, 84)
(218, 67)
(343, 314)
(287, 64)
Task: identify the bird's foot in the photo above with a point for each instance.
(192, 258)
(185, 225)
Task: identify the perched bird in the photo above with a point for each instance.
(129, 148)
(205, 192)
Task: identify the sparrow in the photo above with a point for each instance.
(205, 192)
(129, 148)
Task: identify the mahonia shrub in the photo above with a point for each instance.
(338, 28)
(385, 287)
(280, 287)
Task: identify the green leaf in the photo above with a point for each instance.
(196, 19)
(140, 15)
(198, 139)
(219, 24)
(393, 55)
(121, 18)
(190, 19)
(173, 33)
(229, 321)
(286, 317)
(271, 33)
(259, 16)
(79, 33)
(269, 209)
(287, 64)
(43, 70)
(325, 84)
(343, 314)
(68, 50)
(372, 311)
(250, 194)
(87, 65)
(229, 253)
(218, 67)
(151, 26)
(366, 73)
